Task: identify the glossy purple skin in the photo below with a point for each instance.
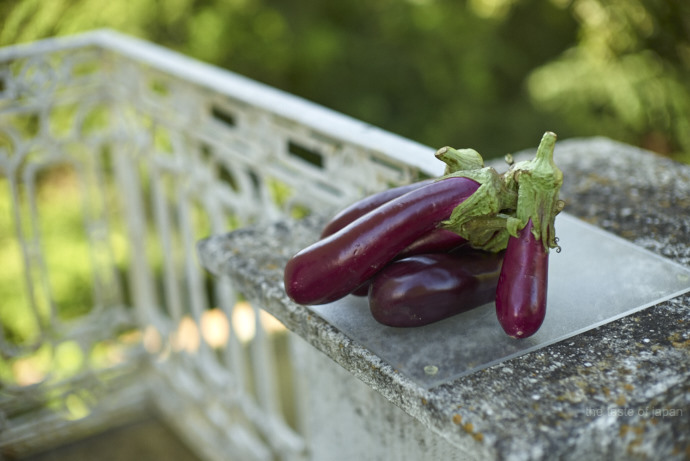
(522, 285)
(362, 290)
(423, 289)
(365, 205)
(436, 241)
(334, 266)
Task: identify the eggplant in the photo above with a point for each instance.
(522, 285)
(336, 265)
(456, 160)
(423, 289)
(365, 205)
(436, 241)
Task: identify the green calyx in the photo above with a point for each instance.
(477, 218)
(503, 204)
(459, 159)
(537, 183)
(488, 233)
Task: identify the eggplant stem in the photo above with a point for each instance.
(459, 159)
(538, 183)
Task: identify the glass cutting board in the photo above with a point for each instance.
(597, 278)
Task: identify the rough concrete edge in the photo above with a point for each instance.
(518, 442)
(355, 358)
(460, 424)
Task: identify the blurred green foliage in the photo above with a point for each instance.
(488, 74)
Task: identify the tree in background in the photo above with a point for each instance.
(490, 74)
(627, 76)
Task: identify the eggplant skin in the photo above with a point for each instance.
(365, 205)
(437, 241)
(424, 289)
(522, 285)
(336, 265)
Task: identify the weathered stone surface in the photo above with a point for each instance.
(620, 391)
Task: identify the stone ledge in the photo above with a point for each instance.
(607, 393)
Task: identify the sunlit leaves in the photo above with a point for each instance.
(490, 73)
(623, 78)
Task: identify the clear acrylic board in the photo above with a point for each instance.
(597, 278)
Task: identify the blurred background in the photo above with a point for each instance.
(487, 74)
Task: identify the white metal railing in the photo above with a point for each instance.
(116, 157)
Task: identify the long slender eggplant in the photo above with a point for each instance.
(365, 205)
(521, 288)
(522, 285)
(423, 289)
(336, 265)
(456, 160)
(436, 240)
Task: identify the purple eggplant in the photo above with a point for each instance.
(522, 285)
(423, 289)
(336, 265)
(436, 241)
(365, 205)
(521, 289)
(455, 160)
